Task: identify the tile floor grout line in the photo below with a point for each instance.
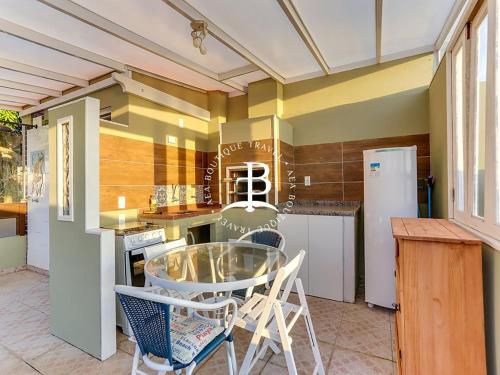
(364, 353)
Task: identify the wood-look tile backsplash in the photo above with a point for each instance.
(336, 169)
(177, 176)
(138, 169)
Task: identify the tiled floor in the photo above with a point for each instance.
(353, 339)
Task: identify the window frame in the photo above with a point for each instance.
(487, 227)
(462, 43)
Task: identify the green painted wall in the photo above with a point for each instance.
(237, 108)
(74, 255)
(249, 129)
(385, 100)
(265, 98)
(12, 252)
(438, 141)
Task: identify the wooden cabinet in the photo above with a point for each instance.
(439, 293)
(329, 268)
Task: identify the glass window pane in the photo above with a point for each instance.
(459, 129)
(478, 172)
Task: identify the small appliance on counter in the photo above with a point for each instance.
(390, 190)
(130, 241)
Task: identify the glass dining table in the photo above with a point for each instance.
(215, 267)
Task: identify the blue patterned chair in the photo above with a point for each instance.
(180, 342)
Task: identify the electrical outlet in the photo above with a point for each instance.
(181, 123)
(172, 140)
(307, 180)
(121, 219)
(121, 202)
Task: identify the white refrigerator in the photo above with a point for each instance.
(390, 190)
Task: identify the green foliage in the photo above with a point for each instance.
(10, 116)
(11, 183)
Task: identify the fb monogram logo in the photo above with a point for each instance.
(250, 204)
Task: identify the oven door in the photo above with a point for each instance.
(134, 267)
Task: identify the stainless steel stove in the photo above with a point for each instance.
(130, 241)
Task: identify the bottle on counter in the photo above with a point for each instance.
(153, 203)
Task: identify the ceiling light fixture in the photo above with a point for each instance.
(199, 33)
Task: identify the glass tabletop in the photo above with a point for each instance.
(215, 267)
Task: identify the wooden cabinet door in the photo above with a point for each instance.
(326, 278)
(295, 228)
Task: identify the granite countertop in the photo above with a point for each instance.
(175, 214)
(327, 208)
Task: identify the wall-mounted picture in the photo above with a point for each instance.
(65, 206)
(37, 186)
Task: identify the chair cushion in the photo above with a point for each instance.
(190, 336)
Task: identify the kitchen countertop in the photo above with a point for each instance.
(326, 208)
(175, 214)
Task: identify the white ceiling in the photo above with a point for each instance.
(256, 33)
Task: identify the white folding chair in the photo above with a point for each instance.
(266, 317)
(269, 237)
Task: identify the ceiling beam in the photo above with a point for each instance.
(58, 45)
(10, 106)
(43, 73)
(295, 19)
(29, 88)
(165, 79)
(242, 70)
(378, 29)
(191, 13)
(18, 99)
(137, 88)
(70, 96)
(103, 24)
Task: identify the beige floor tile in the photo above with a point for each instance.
(217, 363)
(24, 333)
(118, 364)
(10, 364)
(66, 360)
(360, 312)
(28, 335)
(347, 362)
(127, 346)
(303, 355)
(366, 338)
(393, 340)
(272, 369)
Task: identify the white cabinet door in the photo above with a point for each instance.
(350, 258)
(295, 229)
(326, 257)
